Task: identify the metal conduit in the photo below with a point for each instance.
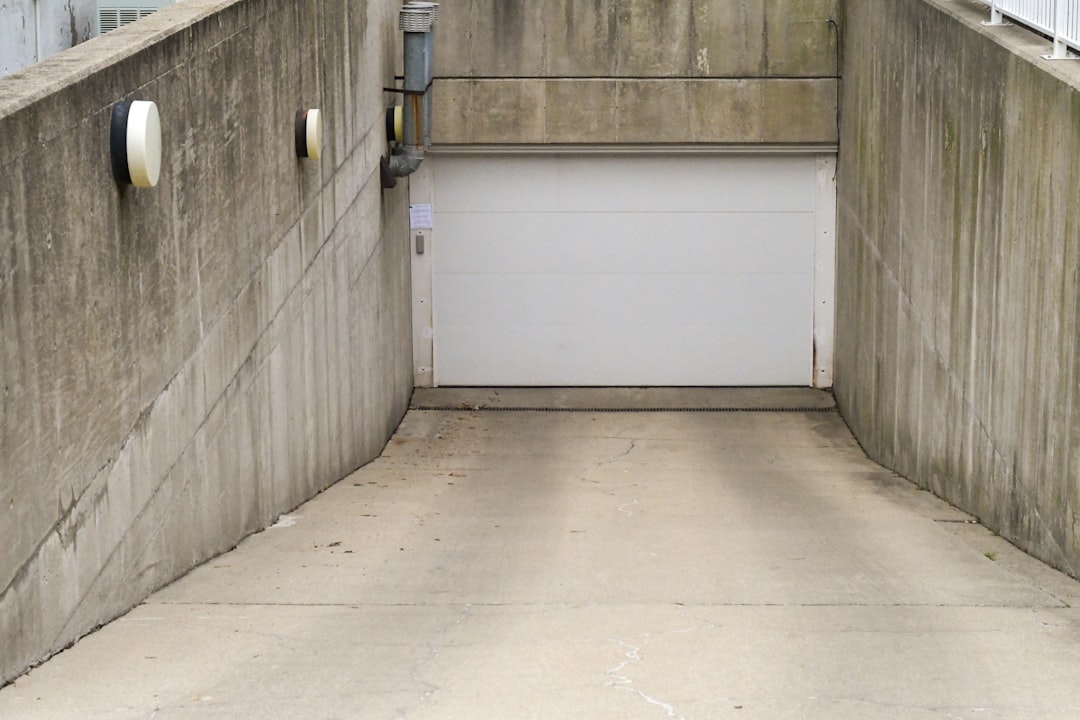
(417, 22)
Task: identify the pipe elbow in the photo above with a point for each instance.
(405, 163)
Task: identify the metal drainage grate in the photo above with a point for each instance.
(488, 408)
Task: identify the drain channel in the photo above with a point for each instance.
(494, 408)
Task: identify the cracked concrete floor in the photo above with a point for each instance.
(603, 565)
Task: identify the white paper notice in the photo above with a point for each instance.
(420, 217)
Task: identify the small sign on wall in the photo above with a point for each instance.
(421, 217)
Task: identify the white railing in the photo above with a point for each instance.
(1060, 19)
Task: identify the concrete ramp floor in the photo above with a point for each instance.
(501, 564)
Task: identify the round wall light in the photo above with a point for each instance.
(135, 143)
(309, 134)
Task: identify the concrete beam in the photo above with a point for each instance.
(603, 111)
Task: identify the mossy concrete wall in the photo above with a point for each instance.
(958, 278)
(180, 365)
(636, 72)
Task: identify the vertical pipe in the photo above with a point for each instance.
(430, 52)
(431, 9)
(415, 85)
(415, 22)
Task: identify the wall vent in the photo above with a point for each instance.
(112, 14)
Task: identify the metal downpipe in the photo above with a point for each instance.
(417, 22)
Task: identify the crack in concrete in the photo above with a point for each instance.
(428, 689)
(620, 456)
(625, 682)
(584, 477)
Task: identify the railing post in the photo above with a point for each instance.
(1061, 48)
(996, 18)
(1060, 24)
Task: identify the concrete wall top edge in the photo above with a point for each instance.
(24, 87)
(1025, 44)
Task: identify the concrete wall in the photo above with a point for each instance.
(637, 72)
(180, 365)
(958, 347)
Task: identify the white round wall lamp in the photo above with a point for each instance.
(135, 143)
(309, 134)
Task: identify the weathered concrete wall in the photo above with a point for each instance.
(959, 247)
(180, 365)
(637, 71)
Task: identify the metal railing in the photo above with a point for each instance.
(1060, 19)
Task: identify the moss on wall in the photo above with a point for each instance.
(957, 335)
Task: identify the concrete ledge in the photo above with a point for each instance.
(38, 82)
(638, 399)
(608, 110)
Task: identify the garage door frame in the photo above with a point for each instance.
(422, 240)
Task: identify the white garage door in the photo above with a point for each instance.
(623, 270)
